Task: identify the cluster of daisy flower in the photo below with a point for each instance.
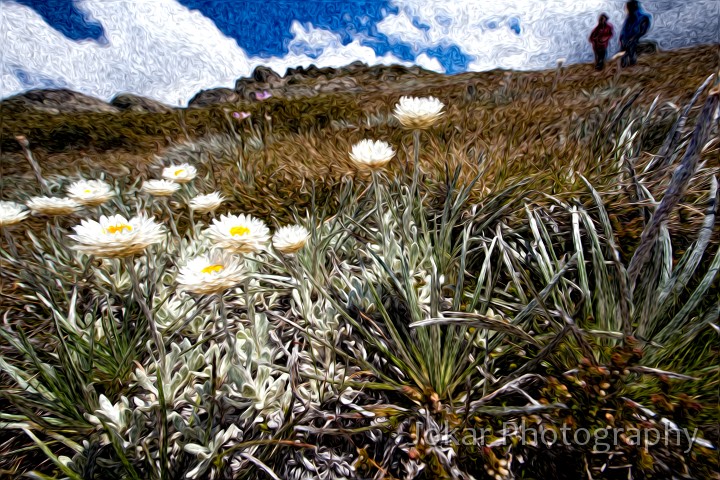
(83, 193)
(235, 235)
(231, 235)
(412, 113)
(172, 177)
(116, 236)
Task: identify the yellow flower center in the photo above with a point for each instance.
(213, 269)
(87, 190)
(179, 172)
(113, 229)
(239, 231)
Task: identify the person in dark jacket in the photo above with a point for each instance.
(636, 26)
(600, 39)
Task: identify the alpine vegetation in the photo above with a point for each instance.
(449, 323)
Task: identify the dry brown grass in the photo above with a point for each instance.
(506, 127)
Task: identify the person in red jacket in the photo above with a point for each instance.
(600, 39)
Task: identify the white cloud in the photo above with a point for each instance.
(549, 29)
(145, 53)
(157, 48)
(429, 63)
(328, 50)
(400, 28)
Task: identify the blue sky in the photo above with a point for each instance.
(64, 16)
(169, 49)
(263, 28)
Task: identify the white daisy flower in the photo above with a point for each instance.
(90, 192)
(12, 213)
(238, 233)
(211, 274)
(290, 239)
(116, 236)
(160, 188)
(206, 203)
(413, 112)
(369, 154)
(179, 173)
(53, 205)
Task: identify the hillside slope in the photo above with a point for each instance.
(306, 102)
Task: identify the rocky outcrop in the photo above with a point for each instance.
(54, 101)
(298, 82)
(310, 72)
(265, 75)
(136, 103)
(344, 84)
(214, 96)
(262, 78)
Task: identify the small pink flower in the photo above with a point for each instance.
(264, 95)
(240, 115)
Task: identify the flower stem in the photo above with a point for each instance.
(192, 222)
(211, 171)
(416, 146)
(241, 163)
(157, 339)
(558, 72)
(378, 200)
(297, 266)
(166, 203)
(34, 164)
(416, 152)
(229, 338)
(57, 231)
(137, 291)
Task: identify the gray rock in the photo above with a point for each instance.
(54, 101)
(214, 96)
(136, 103)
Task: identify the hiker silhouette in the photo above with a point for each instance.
(637, 24)
(600, 39)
